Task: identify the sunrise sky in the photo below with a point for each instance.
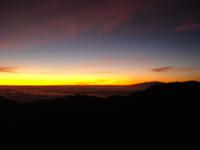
(103, 42)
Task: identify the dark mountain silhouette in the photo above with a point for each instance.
(144, 86)
(177, 86)
(175, 90)
(159, 103)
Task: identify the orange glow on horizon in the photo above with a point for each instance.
(36, 79)
(53, 79)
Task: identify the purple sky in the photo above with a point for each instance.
(101, 41)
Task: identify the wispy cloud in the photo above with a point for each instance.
(163, 69)
(173, 68)
(58, 18)
(188, 26)
(99, 72)
(7, 69)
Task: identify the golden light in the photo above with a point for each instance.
(55, 79)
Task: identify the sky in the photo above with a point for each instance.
(98, 42)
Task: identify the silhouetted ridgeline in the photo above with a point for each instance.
(160, 102)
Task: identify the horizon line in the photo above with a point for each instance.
(43, 85)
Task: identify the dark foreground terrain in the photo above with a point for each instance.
(162, 107)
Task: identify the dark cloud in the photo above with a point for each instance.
(163, 69)
(173, 68)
